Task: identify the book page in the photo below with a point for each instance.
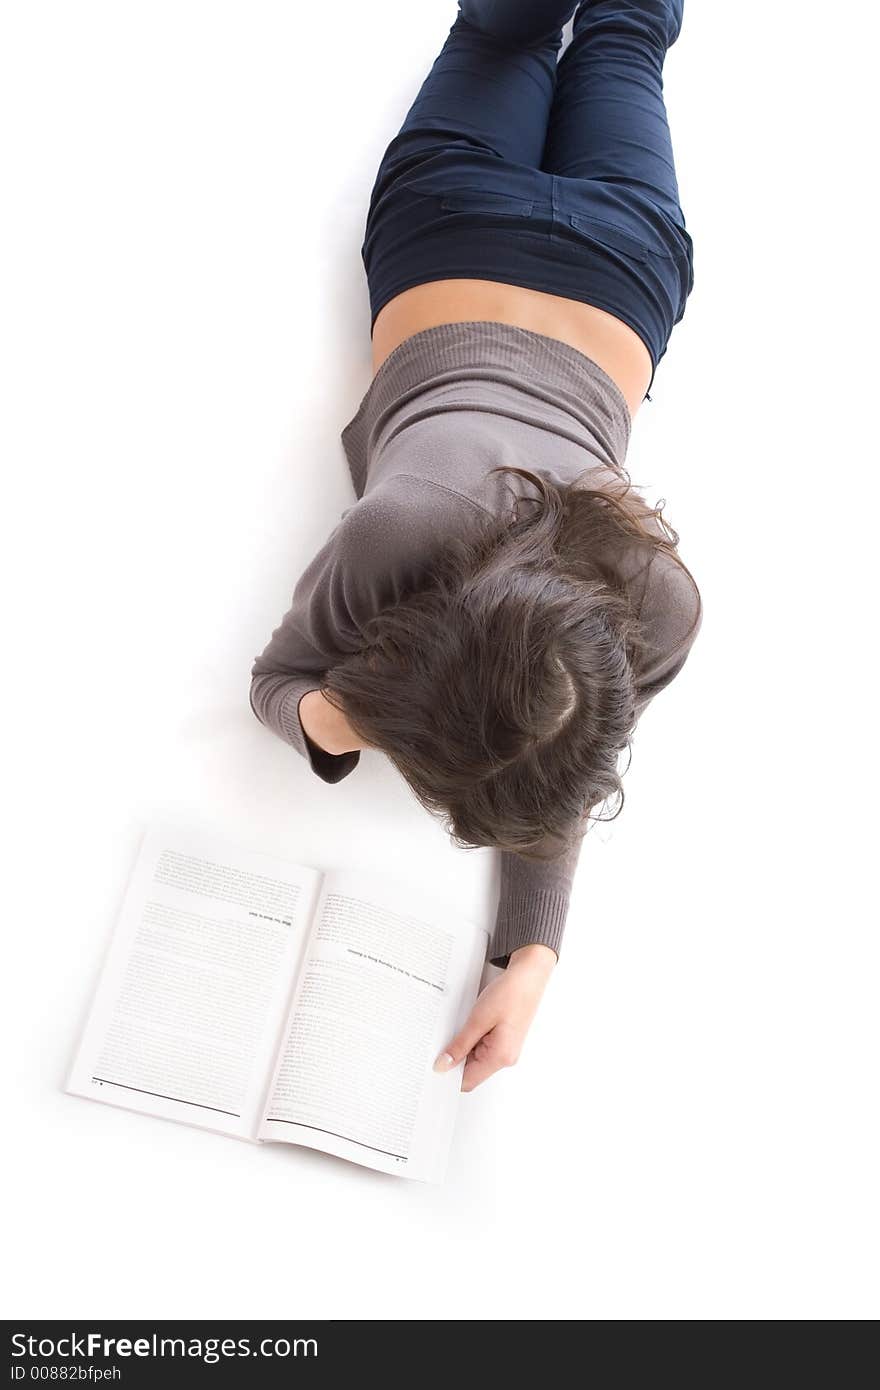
(389, 976)
(196, 987)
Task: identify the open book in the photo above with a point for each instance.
(263, 999)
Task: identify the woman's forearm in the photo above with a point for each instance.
(327, 726)
(537, 959)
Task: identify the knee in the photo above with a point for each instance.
(675, 11)
(482, 15)
(512, 21)
(659, 20)
(666, 15)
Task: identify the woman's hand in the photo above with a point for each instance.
(495, 1032)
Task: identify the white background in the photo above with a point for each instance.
(692, 1130)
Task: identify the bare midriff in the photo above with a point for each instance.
(612, 344)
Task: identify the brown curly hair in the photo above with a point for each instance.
(502, 687)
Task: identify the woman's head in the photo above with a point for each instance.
(502, 688)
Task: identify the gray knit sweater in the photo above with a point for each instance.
(445, 407)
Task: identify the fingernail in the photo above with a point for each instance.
(444, 1062)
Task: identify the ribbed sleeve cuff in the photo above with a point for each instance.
(528, 919)
(275, 701)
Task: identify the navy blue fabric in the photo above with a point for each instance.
(552, 172)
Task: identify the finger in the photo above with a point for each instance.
(497, 1050)
(476, 1027)
(477, 1070)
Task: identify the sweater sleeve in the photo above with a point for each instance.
(333, 598)
(671, 615)
(274, 699)
(375, 552)
(533, 901)
(534, 897)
